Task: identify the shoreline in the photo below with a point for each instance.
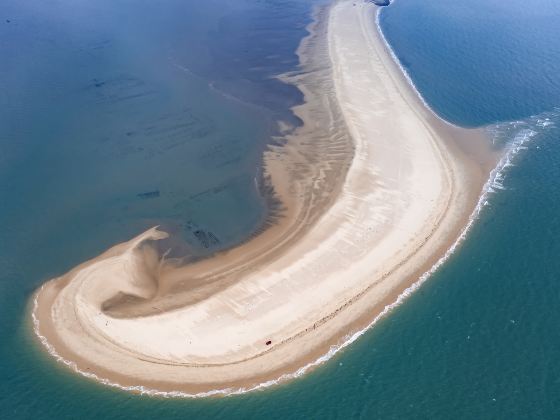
(334, 322)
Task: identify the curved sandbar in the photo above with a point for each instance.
(358, 228)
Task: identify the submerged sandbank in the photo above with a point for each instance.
(374, 189)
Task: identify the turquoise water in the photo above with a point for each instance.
(102, 101)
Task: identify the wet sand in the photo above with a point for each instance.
(373, 188)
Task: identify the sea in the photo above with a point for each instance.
(117, 115)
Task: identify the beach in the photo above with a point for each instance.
(373, 190)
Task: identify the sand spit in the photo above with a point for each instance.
(375, 189)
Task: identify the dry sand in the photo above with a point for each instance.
(374, 189)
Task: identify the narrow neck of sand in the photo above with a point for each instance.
(363, 221)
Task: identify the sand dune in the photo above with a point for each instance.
(383, 192)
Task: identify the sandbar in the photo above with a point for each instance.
(373, 189)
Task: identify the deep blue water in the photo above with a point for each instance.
(102, 101)
(479, 61)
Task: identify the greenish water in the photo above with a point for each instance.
(102, 101)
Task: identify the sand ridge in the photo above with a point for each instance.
(361, 221)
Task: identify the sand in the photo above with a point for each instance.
(374, 189)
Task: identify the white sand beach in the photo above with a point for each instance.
(399, 196)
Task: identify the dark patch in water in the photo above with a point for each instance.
(149, 194)
(205, 237)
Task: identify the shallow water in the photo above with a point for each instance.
(106, 100)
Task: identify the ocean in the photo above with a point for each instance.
(118, 115)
